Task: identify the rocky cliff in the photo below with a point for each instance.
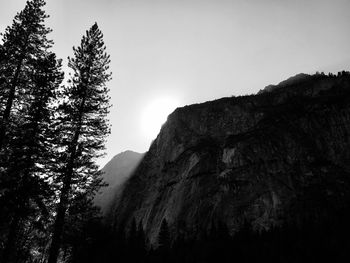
(283, 154)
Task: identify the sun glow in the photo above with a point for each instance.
(155, 115)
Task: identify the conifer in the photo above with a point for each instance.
(23, 43)
(30, 76)
(83, 126)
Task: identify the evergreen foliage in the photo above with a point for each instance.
(30, 76)
(164, 235)
(82, 128)
(50, 137)
(307, 241)
(25, 43)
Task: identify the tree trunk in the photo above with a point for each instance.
(64, 197)
(6, 115)
(59, 222)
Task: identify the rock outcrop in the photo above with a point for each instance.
(263, 159)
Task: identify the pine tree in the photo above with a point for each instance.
(140, 243)
(164, 235)
(81, 215)
(23, 43)
(132, 237)
(83, 126)
(141, 238)
(28, 168)
(30, 74)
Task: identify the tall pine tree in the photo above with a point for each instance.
(30, 75)
(83, 126)
(164, 236)
(23, 43)
(27, 172)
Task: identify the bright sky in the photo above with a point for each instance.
(190, 51)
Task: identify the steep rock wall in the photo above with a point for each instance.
(264, 159)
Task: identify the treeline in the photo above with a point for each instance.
(330, 74)
(308, 241)
(50, 137)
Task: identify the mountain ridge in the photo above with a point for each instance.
(115, 173)
(252, 158)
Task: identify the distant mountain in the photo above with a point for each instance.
(115, 173)
(297, 79)
(260, 160)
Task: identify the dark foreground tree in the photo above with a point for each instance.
(23, 43)
(81, 215)
(164, 235)
(30, 75)
(27, 172)
(83, 127)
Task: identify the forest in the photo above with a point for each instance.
(50, 137)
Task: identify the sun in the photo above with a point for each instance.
(155, 115)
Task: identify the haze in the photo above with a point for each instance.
(197, 50)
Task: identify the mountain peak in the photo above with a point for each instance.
(294, 80)
(115, 173)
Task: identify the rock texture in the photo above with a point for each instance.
(115, 173)
(266, 158)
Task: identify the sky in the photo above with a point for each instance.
(169, 53)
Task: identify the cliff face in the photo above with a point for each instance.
(263, 159)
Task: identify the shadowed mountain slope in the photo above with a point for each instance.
(263, 159)
(115, 173)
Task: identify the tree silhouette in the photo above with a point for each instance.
(83, 126)
(141, 238)
(27, 169)
(23, 44)
(30, 76)
(164, 235)
(132, 236)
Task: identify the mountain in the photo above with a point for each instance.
(115, 173)
(261, 160)
(292, 81)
